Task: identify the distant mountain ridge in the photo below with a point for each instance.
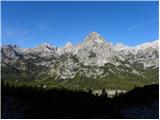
(94, 59)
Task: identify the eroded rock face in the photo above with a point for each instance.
(95, 50)
(110, 93)
(146, 54)
(87, 59)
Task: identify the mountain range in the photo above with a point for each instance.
(95, 63)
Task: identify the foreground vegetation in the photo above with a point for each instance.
(35, 102)
(82, 83)
(121, 77)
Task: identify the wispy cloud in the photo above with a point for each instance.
(44, 27)
(142, 24)
(20, 35)
(17, 34)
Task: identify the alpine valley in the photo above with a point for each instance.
(95, 63)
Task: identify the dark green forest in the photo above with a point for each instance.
(34, 102)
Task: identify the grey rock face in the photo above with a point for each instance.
(146, 54)
(95, 50)
(85, 58)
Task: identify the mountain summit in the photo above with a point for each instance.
(68, 45)
(94, 59)
(94, 37)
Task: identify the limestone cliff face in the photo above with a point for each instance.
(87, 58)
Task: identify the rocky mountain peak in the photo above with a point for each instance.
(94, 37)
(68, 45)
(43, 45)
(46, 46)
(93, 58)
(120, 46)
(10, 46)
(153, 44)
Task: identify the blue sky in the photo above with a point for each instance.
(29, 24)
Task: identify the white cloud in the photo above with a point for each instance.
(142, 24)
(44, 27)
(17, 34)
